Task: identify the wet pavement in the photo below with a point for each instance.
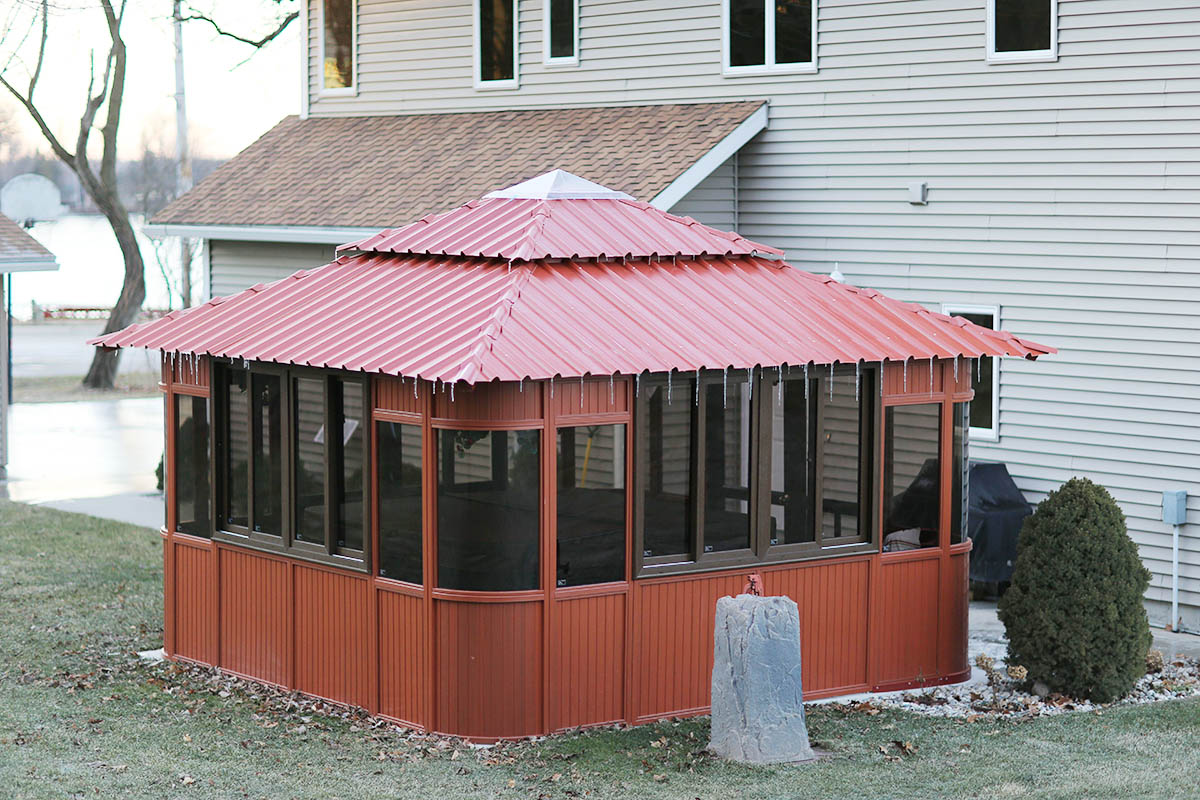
(83, 449)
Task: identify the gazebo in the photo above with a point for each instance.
(487, 474)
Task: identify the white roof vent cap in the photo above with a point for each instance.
(559, 184)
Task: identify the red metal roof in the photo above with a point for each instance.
(451, 319)
(517, 227)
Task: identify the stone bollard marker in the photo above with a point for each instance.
(757, 701)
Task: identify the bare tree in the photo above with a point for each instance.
(100, 185)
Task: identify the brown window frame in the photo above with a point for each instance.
(761, 551)
(328, 552)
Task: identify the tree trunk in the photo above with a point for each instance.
(103, 371)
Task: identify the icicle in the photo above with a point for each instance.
(882, 368)
(806, 363)
(831, 381)
(669, 386)
(551, 387)
(978, 362)
(414, 387)
(906, 374)
(956, 369)
(696, 399)
(750, 380)
(521, 385)
(779, 384)
(857, 380)
(637, 385)
(931, 374)
(611, 390)
(452, 392)
(724, 387)
(581, 391)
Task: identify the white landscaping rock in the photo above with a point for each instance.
(757, 698)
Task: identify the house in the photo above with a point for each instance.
(1028, 163)
(19, 252)
(487, 474)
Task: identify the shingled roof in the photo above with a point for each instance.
(20, 251)
(380, 171)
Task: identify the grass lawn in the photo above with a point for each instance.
(57, 389)
(79, 717)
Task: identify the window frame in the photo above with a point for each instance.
(1021, 56)
(477, 64)
(983, 434)
(768, 67)
(761, 552)
(285, 542)
(559, 61)
(339, 91)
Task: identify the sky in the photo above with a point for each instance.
(229, 103)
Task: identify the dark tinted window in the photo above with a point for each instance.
(191, 465)
(308, 447)
(982, 379)
(667, 522)
(488, 510)
(793, 31)
(339, 43)
(398, 449)
(348, 452)
(266, 434)
(959, 473)
(1022, 25)
(747, 33)
(236, 503)
(727, 435)
(793, 457)
(912, 477)
(842, 465)
(591, 504)
(497, 52)
(562, 28)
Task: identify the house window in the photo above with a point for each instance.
(398, 449)
(495, 44)
(191, 466)
(284, 483)
(762, 35)
(1022, 30)
(338, 57)
(591, 504)
(488, 510)
(912, 476)
(741, 469)
(985, 376)
(561, 21)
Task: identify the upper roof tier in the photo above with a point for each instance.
(559, 216)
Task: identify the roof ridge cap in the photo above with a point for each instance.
(494, 326)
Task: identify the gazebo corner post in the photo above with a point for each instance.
(429, 550)
(169, 521)
(630, 677)
(551, 680)
(374, 669)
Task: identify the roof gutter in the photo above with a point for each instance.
(708, 163)
(44, 264)
(312, 234)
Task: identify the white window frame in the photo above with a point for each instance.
(560, 61)
(987, 434)
(342, 91)
(770, 67)
(510, 83)
(1021, 56)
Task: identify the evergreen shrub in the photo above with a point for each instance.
(1074, 611)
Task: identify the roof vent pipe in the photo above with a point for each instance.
(837, 273)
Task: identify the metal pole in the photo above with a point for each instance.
(183, 161)
(1174, 577)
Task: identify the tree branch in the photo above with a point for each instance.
(256, 43)
(37, 71)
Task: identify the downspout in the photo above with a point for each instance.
(1175, 577)
(1174, 513)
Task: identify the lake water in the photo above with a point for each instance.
(90, 267)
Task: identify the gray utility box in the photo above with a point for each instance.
(1174, 511)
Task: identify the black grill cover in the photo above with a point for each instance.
(996, 510)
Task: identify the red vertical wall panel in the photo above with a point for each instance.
(592, 396)
(489, 668)
(833, 599)
(394, 394)
(490, 402)
(589, 640)
(954, 628)
(403, 676)
(255, 617)
(905, 646)
(331, 613)
(194, 585)
(899, 381)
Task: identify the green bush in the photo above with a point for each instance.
(1074, 611)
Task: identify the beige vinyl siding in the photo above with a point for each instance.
(1066, 193)
(234, 266)
(714, 200)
